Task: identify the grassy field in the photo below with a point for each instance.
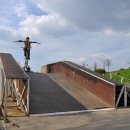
(122, 76)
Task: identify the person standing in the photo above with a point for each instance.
(87, 66)
(27, 46)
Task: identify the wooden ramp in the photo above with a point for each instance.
(14, 87)
(37, 93)
(51, 93)
(11, 67)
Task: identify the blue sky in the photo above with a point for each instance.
(81, 31)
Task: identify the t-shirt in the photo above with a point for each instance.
(26, 44)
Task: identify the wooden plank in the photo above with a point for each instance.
(11, 67)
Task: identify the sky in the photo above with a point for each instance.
(80, 31)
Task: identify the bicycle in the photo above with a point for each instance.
(26, 67)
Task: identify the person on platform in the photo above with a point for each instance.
(87, 66)
(27, 46)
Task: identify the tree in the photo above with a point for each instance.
(101, 71)
(128, 62)
(83, 64)
(108, 63)
(95, 66)
(104, 65)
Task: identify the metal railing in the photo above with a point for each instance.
(119, 78)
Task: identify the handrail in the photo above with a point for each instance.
(119, 77)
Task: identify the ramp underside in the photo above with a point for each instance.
(51, 93)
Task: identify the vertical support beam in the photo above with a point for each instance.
(6, 98)
(125, 97)
(13, 95)
(17, 86)
(3, 95)
(28, 91)
(114, 98)
(120, 96)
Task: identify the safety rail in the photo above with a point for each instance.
(119, 78)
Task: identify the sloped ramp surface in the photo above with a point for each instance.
(46, 96)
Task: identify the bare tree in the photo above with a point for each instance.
(95, 66)
(104, 65)
(108, 63)
(128, 62)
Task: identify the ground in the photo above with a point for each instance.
(118, 119)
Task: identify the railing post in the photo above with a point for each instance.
(111, 75)
(125, 97)
(121, 79)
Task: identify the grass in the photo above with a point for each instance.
(123, 76)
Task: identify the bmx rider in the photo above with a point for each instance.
(27, 46)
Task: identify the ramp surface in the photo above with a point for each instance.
(46, 96)
(51, 93)
(11, 68)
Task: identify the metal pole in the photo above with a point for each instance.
(125, 97)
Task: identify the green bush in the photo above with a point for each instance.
(101, 71)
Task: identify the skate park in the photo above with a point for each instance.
(60, 88)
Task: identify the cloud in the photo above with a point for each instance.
(21, 10)
(80, 31)
(91, 15)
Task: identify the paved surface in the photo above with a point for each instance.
(11, 67)
(51, 93)
(103, 120)
(2, 125)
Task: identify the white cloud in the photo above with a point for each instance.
(86, 31)
(21, 10)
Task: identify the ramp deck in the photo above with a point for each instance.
(11, 67)
(51, 93)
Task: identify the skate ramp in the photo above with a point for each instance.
(53, 93)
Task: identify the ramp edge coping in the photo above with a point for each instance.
(89, 73)
(71, 112)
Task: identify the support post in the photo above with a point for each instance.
(121, 79)
(28, 91)
(120, 96)
(5, 102)
(125, 97)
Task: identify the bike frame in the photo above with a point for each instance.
(26, 58)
